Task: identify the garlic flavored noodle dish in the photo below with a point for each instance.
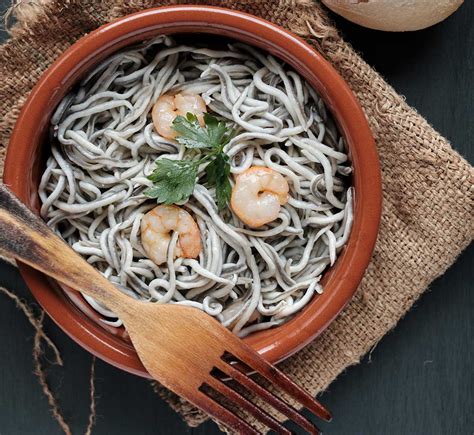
(206, 175)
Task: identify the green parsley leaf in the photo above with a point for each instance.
(214, 134)
(190, 133)
(216, 130)
(218, 172)
(174, 180)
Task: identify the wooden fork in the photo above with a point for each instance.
(183, 348)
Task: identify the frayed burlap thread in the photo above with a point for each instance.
(424, 179)
(41, 372)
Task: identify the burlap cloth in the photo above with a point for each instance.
(428, 188)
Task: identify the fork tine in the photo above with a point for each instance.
(222, 414)
(247, 405)
(278, 378)
(269, 397)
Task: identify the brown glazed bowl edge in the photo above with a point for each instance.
(25, 160)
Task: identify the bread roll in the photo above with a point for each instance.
(394, 15)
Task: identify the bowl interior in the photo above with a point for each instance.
(29, 148)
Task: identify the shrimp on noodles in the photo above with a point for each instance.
(168, 107)
(258, 195)
(156, 227)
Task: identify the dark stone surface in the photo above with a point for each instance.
(420, 378)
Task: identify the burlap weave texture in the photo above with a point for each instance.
(424, 179)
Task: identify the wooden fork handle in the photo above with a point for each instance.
(24, 236)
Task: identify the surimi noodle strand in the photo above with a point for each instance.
(105, 147)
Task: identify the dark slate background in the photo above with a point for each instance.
(420, 377)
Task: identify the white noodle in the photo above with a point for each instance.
(92, 188)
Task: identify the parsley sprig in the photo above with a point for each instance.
(174, 180)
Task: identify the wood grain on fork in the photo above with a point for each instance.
(180, 346)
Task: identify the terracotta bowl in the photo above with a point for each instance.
(29, 148)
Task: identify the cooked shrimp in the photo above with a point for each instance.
(258, 194)
(156, 228)
(168, 107)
